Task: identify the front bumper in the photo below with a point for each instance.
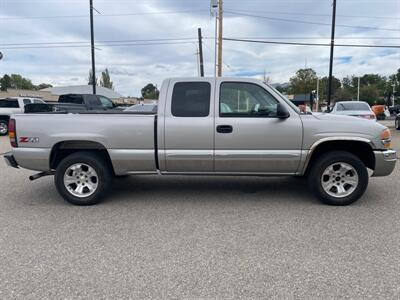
(10, 160)
(385, 161)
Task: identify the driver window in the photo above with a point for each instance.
(239, 99)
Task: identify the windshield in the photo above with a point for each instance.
(352, 106)
(290, 103)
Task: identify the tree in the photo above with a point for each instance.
(105, 80)
(150, 91)
(323, 88)
(303, 82)
(5, 82)
(19, 82)
(90, 78)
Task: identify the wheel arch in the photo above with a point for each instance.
(360, 147)
(65, 148)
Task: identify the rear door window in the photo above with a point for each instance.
(9, 103)
(191, 99)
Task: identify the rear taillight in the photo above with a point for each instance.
(12, 133)
(370, 117)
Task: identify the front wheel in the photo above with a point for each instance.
(3, 127)
(338, 178)
(83, 178)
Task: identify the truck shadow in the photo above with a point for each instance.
(210, 188)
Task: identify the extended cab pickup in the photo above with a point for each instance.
(204, 126)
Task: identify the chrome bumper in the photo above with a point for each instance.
(10, 160)
(385, 161)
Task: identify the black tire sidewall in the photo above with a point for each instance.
(6, 123)
(94, 161)
(335, 157)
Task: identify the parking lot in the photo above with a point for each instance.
(198, 237)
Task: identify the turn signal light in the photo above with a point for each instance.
(12, 133)
(386, 138)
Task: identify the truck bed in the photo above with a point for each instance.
(128, 137)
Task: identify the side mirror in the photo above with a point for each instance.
(282, 112)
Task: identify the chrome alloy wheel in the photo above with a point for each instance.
(339, 180)
(81, 180)
(3, 128)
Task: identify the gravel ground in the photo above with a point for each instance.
(198, 237)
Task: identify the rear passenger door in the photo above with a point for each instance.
(189, 127)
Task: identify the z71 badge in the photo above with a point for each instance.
(25, 139)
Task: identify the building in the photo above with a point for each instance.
(83, 89)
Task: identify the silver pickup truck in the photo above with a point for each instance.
(204, 126)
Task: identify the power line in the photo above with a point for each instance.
(102, 15)
(96, 45)
(308, 22)
(317, 15)
(104, 42)
(311, 44)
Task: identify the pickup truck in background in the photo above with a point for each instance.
(72, 103)
(9, 106)
(204, 126)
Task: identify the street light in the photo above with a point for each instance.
(214, 12)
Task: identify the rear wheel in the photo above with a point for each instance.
(83, 178)
(338, 178)
(3, 127)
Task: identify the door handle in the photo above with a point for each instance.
(224, 128)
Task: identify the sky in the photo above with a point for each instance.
(39, 27)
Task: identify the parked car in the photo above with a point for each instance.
(204, 126)
(75, 103)
(359, 109)
(9, 106)
(394, 110)
(142, 107)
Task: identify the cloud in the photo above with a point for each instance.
(133, 66)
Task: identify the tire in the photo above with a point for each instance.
(397, 123)
(3, 127)
(338, 178)
(84, 185)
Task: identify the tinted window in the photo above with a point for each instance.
(191, 99)
(9, 103)
(37, 101)
(27, 101)
(105, 102)
(75, 99)
(352, 106)
(239, 99)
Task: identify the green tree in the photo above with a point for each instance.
(5, 82)
(105, 80)
(150, 91)
(303, 82)
(90, 78)
(370, 94)
(336, 88)
(19, 82)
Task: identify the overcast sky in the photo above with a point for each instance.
(133, 66)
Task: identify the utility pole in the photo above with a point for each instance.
(316, 109)
(220, 34)
(331, 55)
(201, 52)
(358, 89)
(92, 48)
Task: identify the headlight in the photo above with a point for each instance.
(386, 138)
